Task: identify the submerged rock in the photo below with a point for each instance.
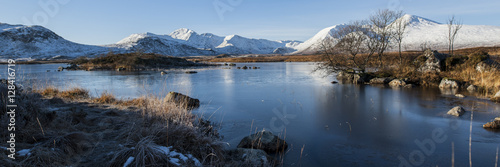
(183, 100)
(448, 84)
(456, 111)
(191, 72)
(264, 140)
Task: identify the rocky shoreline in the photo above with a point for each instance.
(433, 63)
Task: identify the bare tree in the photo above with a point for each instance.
(380, 23)
(342, 50)
(399, 27)
(453, 27)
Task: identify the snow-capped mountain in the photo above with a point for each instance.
(36, 42)
(420, 31)
(33, 42)
(185, 42)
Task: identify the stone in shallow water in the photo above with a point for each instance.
(183, 100)
(448, 84)
(264, 140)
(456, 111)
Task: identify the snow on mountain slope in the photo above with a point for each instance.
(189, 43)
(436, 35)
(36, 42)
(419, 31)
(313, 44)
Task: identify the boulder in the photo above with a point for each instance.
(472, 88)
(182, 100)
(433, 61)
(232, 64)
(496, 98)
(244, 67)
(456, 111)
(488, 65)
(60, 68)
(163, 73)
(264, 140)
(380, 81)
(396, 83)
(495, 124)
(351, 78)
(448, 84)
(248, 157)
(460, 95)
(120, 69)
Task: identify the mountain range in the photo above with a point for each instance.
(37, 42)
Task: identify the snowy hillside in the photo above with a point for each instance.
(36, 42)
(419, 31)
(436, 35)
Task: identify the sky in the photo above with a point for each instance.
(100, 22)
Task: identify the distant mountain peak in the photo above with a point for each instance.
(182, 34)
(417, 20)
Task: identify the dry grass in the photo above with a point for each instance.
(105, 98)
(74, 94)
(71, 94)
(145, 153)
(83, 134)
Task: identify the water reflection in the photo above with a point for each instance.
(339, 125)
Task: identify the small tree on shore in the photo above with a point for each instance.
(453, 27)
(341, 51)
(380, 23)
(399, 27)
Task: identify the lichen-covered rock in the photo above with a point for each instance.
(434, 61)
(448, 84)
(264, 140)
(456, 111)
(397, 83)
(495, 124)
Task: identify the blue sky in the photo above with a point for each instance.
(108, 21)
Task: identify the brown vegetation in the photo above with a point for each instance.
(130, 62)
(82, 132)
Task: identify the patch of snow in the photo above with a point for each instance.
(24, 152)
